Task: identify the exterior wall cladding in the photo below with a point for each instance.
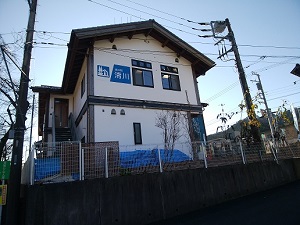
(113, 78)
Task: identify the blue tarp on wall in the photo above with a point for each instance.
(138, 158)
(46, 167)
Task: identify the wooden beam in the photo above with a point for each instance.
(180, 53)
(165, 43)
(131, 35)
(148, 33)
(112, 38)
(195, 62)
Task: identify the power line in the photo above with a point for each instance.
(190, 42)
(277, 64)
(283, 96)
(172, 21)
(139, 17)
(191, 21)
(269, 46)
(280, 90)
(169, 14)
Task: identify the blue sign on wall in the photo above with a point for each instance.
(121, 74)
(102, 71)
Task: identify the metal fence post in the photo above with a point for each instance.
(106, 163)
(242, 152)
(159, 160)
(274, 154)
(31, 167)
(204, 154)
(80, 161)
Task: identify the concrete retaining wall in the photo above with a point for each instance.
(146, 198)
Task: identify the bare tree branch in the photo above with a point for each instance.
(10, 98)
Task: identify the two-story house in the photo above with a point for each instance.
(118, 79)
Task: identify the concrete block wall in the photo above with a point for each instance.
(146, 198)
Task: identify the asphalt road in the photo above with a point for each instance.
(279, 206)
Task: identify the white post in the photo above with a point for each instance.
(242, 153)
(80, 161)
(31, 167)
(274, 154)
(159, 160)
(106, 163)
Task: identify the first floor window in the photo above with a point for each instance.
(137, 132)
(170, 81)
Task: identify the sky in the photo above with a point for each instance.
(266, 32)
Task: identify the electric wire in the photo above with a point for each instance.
(172, 21)
(284, 96)
(139, 17)
(272, 66)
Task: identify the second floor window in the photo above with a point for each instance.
(170, 80)
(142, 73)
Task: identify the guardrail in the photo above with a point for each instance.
(71, 161)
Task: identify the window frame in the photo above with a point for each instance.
(169, 69)
(137, 133)
(170, 78)
(142, 78)
(140, 71)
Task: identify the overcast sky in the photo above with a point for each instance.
(266, 31)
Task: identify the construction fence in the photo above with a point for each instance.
(72, 161)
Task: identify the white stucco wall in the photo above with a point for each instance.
(143, 49)
(81, 129)
(80, 100)
(118, 127)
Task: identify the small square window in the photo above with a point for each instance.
(148, 65)
(142, 64)
(134, 62)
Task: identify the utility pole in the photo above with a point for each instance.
(14, 184)
(243, 81)
(218, 27)
(269, 114)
